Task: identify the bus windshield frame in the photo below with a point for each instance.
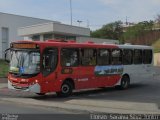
(25, 62)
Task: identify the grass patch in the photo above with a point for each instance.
(156, 46)
(4, 67)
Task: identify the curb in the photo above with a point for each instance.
(83, 106)
(3, 85)
(3, 80)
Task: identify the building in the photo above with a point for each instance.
(9, 25)
(53, 30)
(61, 31)
(97, 40)
(16, 27)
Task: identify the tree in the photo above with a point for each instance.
(109, 31)
(141, 33)
(158, 19)
(136, 34)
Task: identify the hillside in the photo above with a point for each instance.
(156, 45)
(147, 38)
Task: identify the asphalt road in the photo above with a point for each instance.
(147, 91)
(28, 112)
(7, 107)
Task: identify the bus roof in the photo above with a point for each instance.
(72, 43)
(135, 46)
(69, 43)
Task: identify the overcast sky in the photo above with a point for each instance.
(96, 12)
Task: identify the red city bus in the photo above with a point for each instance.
(61, 67)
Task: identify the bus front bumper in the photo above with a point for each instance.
(32, 88)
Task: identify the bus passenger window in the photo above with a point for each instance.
(70, 57)
(116, 57)
(127, 56)
(147, 56)
(137, 57)
(89, 57)
(103, 57)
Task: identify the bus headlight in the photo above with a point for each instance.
(36, 81)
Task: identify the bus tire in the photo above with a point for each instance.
(66, 89)
(125, 82)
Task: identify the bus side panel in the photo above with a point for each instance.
(84, 77)
(135, 72)
(113, 80)
(139, 73)
(108, 75)
(49, 83)
(87, 77)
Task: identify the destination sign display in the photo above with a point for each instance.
(23, 46)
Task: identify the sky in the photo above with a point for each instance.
(92, 13)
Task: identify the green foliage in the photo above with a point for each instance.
(156, 46)
(138, 30)
(158, 19)
(133, 34)
(109, 31)
(4, 67)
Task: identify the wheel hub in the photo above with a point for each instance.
(65, 88)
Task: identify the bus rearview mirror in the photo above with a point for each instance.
(5, 55)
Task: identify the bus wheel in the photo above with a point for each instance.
(66, 89)
(125, 82)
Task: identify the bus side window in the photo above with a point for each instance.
(103, 57)
(137, 56)
(89, 57)
(127, 56)
(147, 56)
(116, 57)
(70, 57)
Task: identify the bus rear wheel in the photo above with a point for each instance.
(125, 82)
(66, 89)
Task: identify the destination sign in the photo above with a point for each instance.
(23, 46)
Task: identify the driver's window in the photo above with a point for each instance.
(50, 58)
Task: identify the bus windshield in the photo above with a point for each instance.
(25, 62)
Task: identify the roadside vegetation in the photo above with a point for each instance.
(4, 67)
(156, 46)
(143, 33)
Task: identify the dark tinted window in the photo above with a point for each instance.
(147, 56)
(137, 57)
(70, 57)
(88, 56)
(50, 59)
(103, 57)
(127, 56)
(116, 57)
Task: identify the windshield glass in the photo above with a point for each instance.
(25, 62)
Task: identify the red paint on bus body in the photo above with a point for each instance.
(83, 76)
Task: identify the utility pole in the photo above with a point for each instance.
(126, 21)
(87, 23)
(71, 10)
